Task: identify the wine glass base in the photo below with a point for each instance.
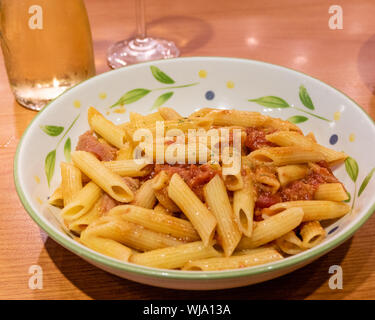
(128, 52)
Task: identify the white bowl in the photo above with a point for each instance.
(198, 83)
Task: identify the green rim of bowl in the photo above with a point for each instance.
(103, 260)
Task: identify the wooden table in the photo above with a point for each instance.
(292, 33)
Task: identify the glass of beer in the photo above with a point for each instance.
(47, 48)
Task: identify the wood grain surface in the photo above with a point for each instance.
(292, 33)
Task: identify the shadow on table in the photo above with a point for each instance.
(298, 285)
(189, 33)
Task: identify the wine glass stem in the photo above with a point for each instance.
(140, 20)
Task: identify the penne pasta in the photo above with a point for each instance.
(233, 182)
(126, 152)
(252, 185)
(281, 125)
(82, 203)
(169, 113)
(71, 181)
(57, 199)
(201, 112)
(163, 198)
(289, 173)
(145, 196)
(160, 181)
(243, 205)
(139, 121)
(312, 234)
(158, 222)
(185, 124)
(109, 181)
(311, 136)
(252, 258)
(160, 209)
(106, 129)
(313, 209)
(280, 156)
(175, 257)
(331, 191)
(236, 118)
(130, 234)
(201, 218)
(107, 247)
(272, 228)
(217, 200)
(294, 139)
(81, 223)
(290, 243)
(128, 168)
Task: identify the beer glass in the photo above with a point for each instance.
(142, 47)
(47, 48)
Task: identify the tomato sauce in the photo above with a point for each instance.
(302, 189)
(256, 138)
(196, 176)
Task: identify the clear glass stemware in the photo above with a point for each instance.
(142, 47)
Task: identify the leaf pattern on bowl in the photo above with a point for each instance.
(138, 93)
(50, 159)
(52, 131)
(352, 169)
(161, 76)
(67, 149)
(162, 99)
(277, 102)
(297, 119)
(365, 182)
(305, 98)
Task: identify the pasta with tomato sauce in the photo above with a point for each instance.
(257, 196)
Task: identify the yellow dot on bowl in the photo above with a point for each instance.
(202, 73)
(352, 137)
(77, 104)
(40, 201)
(108, 113)
(37, 179)
(102, 95)
(230, 84)
(337, 115)
(120, 110)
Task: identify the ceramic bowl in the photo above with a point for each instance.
(187, 84)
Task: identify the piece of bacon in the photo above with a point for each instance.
(107, 203)
(88, 142)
